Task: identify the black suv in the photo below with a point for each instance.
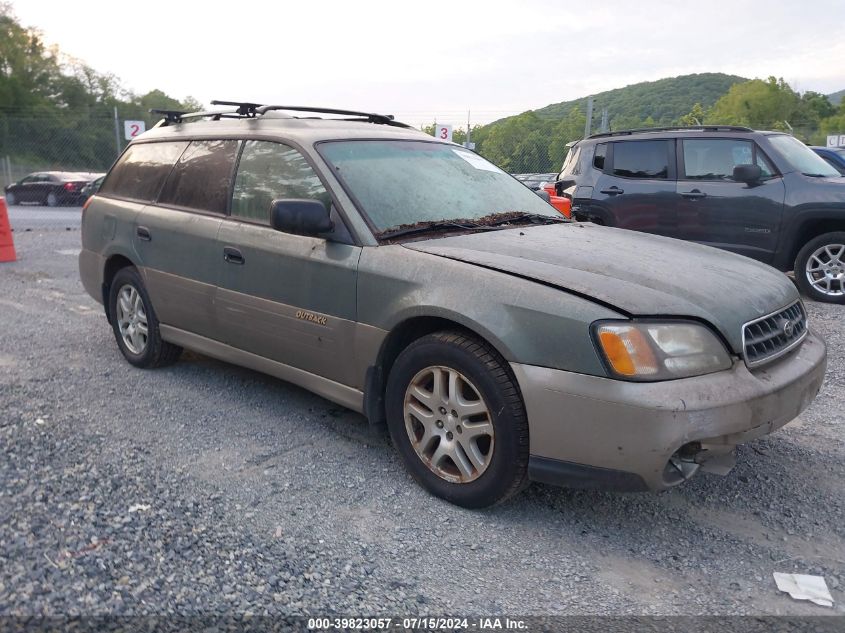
(765, 195)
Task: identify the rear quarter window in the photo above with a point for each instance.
(599, 156)
(141, 170)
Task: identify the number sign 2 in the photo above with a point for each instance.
(131, 129)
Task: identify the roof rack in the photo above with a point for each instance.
(175, 116)
(676, 128)
(370, 117)
(246, 109)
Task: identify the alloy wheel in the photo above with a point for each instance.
(449, 424)
(132, 319)
(825, 270)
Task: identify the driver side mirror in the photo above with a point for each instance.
(301, 217)
(749, 174)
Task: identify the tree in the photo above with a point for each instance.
(757, 104)
(569, 129)
(520, 144)
(696, 116)
(58, 112)
(818, 104)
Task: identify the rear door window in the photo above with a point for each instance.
(641, 159)
(141, 171)
(202, 178)
(271, 171)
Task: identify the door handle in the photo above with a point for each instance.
(233, 255)
(695, 194)
(612, 191)
(143, 233)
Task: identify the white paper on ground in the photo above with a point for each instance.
(803, 587)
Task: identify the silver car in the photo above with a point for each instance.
(414, 282)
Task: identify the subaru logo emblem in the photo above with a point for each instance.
(788, 328)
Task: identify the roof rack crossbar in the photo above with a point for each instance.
(675, 128)
(175, 116)
(171, 116)
(244, 108)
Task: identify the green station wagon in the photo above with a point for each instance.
(412, 281)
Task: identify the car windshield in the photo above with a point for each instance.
(406, 183)
(801, 157)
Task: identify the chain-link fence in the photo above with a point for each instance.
(76, 141)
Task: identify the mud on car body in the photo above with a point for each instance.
(413, 281)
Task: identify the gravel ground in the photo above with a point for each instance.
(204, 488)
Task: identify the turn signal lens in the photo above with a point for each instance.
(627, 351)
(660, 351)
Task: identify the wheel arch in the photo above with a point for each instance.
(399, 338)
(809, 229)
(114, 263)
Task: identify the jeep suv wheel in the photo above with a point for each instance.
(456, 416)
(820, 268)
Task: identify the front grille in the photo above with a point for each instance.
(770, 337)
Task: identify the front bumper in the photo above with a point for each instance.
(597, 432)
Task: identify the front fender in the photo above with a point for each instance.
(526, 321)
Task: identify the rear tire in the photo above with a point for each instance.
(820, 268)
(135, 324)
(465, 440)
(52, 200)
(10, 199)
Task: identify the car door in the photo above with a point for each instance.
(27, 190)
(290, 298)
(718, 211)
(636, 187)
(176, 236)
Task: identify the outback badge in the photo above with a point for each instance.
(310, 316)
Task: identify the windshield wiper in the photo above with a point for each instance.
(533, 218)
(815, 175)
(433, 227)
(488, 223)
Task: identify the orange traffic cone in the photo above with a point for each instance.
(7, 245)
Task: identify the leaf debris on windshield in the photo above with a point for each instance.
(487, 222)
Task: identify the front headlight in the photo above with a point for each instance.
(659, 351)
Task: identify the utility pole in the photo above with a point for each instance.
(589, 123)
(468, 129)
(116, 131)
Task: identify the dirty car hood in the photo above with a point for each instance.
(636, 273)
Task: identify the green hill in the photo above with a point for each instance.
(664, 100)
(534, 141)
(836, 97)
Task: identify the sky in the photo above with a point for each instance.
(438, 59)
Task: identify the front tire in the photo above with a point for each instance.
(456, 416)
(135, 324)
(820, 268)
